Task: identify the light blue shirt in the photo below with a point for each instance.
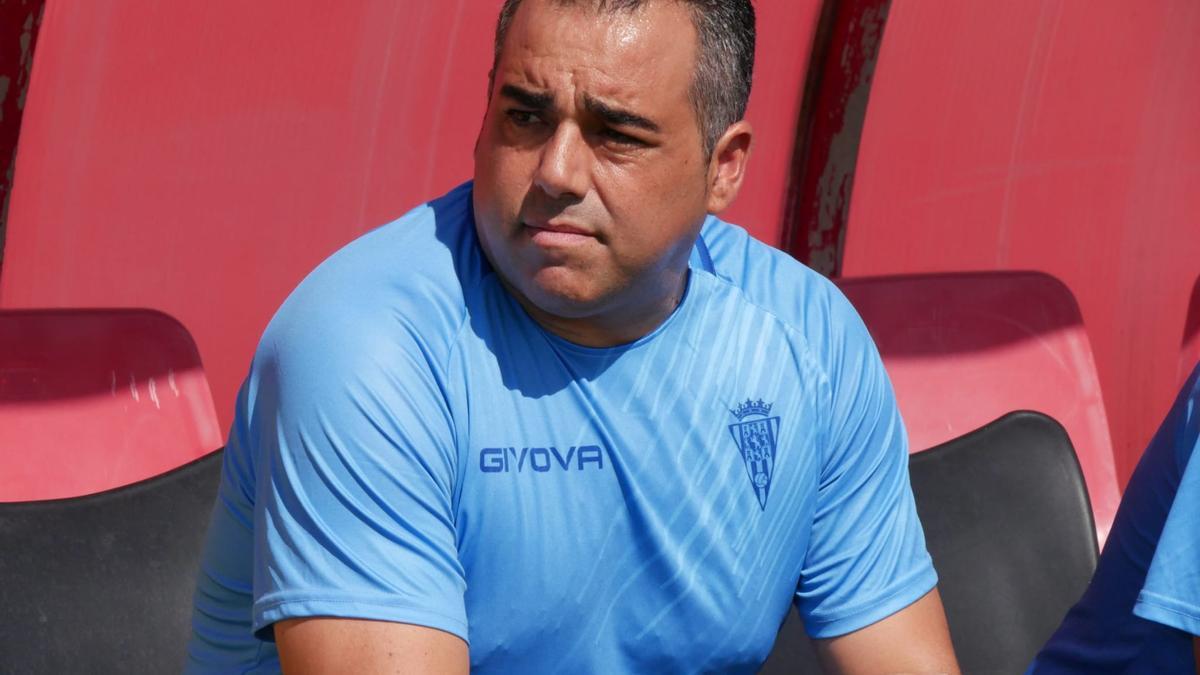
(1143, 604)
(410, 446)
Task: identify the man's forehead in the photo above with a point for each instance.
(619, 54)
(603, 6)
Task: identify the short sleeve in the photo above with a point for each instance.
(356, 465)
(1171, 593)
(866, 558)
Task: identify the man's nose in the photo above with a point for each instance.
(563, 169)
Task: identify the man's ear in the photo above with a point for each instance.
(727, 166)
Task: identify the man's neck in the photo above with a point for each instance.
(617, 325)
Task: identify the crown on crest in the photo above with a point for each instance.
(751, 408)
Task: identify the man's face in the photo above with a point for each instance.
(590, 173)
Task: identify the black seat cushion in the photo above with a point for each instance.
(1009, 526)
(103, 583)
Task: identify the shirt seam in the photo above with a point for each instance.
(809, 352)
(867, 605)
(1167, 605)
(278, 604)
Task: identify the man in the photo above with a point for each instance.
(565, 415)
(1141, 612)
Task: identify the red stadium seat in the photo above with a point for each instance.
(95, 399)
(963, 349)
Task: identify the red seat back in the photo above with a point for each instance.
(95, 399)
(964, 349)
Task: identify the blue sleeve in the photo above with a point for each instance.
(222, 640)
(355, 468)
(1171, 593)
(867, 557)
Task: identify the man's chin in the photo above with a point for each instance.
(559, 292)
(565, 303)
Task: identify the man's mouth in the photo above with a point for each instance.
(557, 234)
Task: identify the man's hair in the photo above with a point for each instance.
(724, 62)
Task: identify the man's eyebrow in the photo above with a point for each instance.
(535, 100)
(617, 117)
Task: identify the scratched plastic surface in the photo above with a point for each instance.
(965, 349)
(95, 399)
(1052, 136)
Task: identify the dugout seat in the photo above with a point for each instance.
(91, 399)
(1009, 527)
(963, 349)
(103, 583)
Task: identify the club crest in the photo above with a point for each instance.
(756, 433)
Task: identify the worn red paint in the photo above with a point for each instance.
(19, 26)
(836, 103)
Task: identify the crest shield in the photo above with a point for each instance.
(756, 441)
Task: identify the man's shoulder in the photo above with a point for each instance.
(776, 282)
(409, 274)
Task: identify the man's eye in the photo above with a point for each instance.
(617, 138)
(523, 118)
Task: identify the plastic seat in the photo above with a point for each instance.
(963, 349)
(103, 583)
(1009, 526)
(93, 399)
(1010, 530)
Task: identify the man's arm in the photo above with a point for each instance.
(914, 640)
(329, 645)
(867, 590)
